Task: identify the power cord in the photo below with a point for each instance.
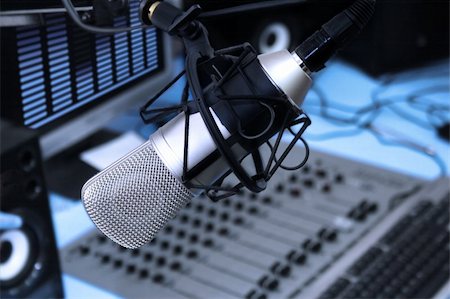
(362, 119)
(73, 14)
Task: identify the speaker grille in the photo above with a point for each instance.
(134, 198)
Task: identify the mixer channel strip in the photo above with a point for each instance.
(410, 261)
(252, 246)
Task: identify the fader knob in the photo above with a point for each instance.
(117, 264)
(268, 283)
(161, 261)
(297, 257)
(131, 269)
(84, 250)
(105, 259)
(328, 234)
(312, 245)
(159, 278)
(280, 269)
(143, 273)
(175, 266)
(148, 256)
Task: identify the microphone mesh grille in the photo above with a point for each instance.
(134, 198)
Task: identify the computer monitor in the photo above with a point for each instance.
(67, 83)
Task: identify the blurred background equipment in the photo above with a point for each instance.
(57, 71)
(278, 243)
(67, 83)
(405, 256)
(402, 34)
(372, 180)
(29, 265)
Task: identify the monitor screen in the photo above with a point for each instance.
(65, 82)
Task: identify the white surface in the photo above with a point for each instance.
(104, 155)
(169, 144)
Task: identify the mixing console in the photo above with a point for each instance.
(405, 256)
(276, 244)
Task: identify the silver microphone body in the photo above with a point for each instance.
(135, 197)
(169, 144)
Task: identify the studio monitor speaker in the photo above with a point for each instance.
(29, 265)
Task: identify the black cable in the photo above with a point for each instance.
(376, 104)
(298, 166)
(414, 100)
(435, 157)
(73, 14)
(221, 144)
(343, 134)
(334, 134)
(265, 130)
(356, 116)
(410, 118)
(318, 48)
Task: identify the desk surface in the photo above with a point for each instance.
(342, 84)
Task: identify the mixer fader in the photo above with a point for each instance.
(267, 245)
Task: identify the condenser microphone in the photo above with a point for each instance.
(135, 197)
(131, 200)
